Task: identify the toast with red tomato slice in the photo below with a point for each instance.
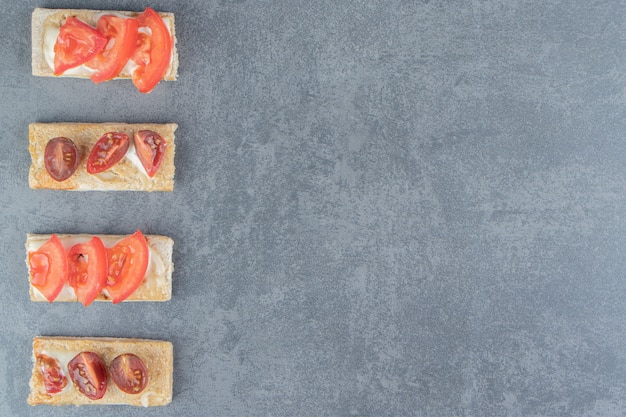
(87, 268)
(103, 45)
(101, 371)
(102, 156)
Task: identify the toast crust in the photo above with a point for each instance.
(156, 286)
(123, 176)
(158, 356)
(42, 18)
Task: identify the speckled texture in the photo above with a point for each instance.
(381, 208)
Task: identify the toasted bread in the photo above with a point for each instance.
(45, 21)
(126, 175)
(157, 356)
(156, 286)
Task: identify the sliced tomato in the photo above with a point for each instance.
(76, 44)
(89, 374)
(141, 54)
(129, 373)
(88, 269)
(61, 158)
(150, 147)
(53, 378)
(108, 151)
(121, 34)
(49, 268)
(127, 266)
(153, 53)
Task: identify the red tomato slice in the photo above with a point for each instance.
(88, 269)
(49, 268)
(89, 374)
(150, 147)
(76, 44)
(141, 55)
(53, 379)
(109, 62)
(153, 65)
(61, 158)
(108, 151)
(129, 373)
(127, 266)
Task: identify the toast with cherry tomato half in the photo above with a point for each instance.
(101, 370)
(102, 156)
(103, 45)
(88, 268)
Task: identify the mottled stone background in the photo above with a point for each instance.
(381, 208)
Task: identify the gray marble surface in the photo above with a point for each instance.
(407, 208)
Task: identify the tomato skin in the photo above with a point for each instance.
(87, 269)
(49, 268)
(150, 147)
(148, 74)
(76, 44)
(89, 374)
(109, 62)
(53, 378)
(108, 151)
(129, 373)
(61, 158)
(127, 265)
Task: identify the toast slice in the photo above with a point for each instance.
(156, 286)
(157, 356)
(46, 23)
(127, 175)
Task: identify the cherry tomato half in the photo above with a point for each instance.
(76, 44)
(53, 379)
(127, 266)
(153, 65)
(49, 268)
(87, 269)
(129, 373)
(108, 151)
(109, 62)
(89, 374)
(61, 158)
(150, 147)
